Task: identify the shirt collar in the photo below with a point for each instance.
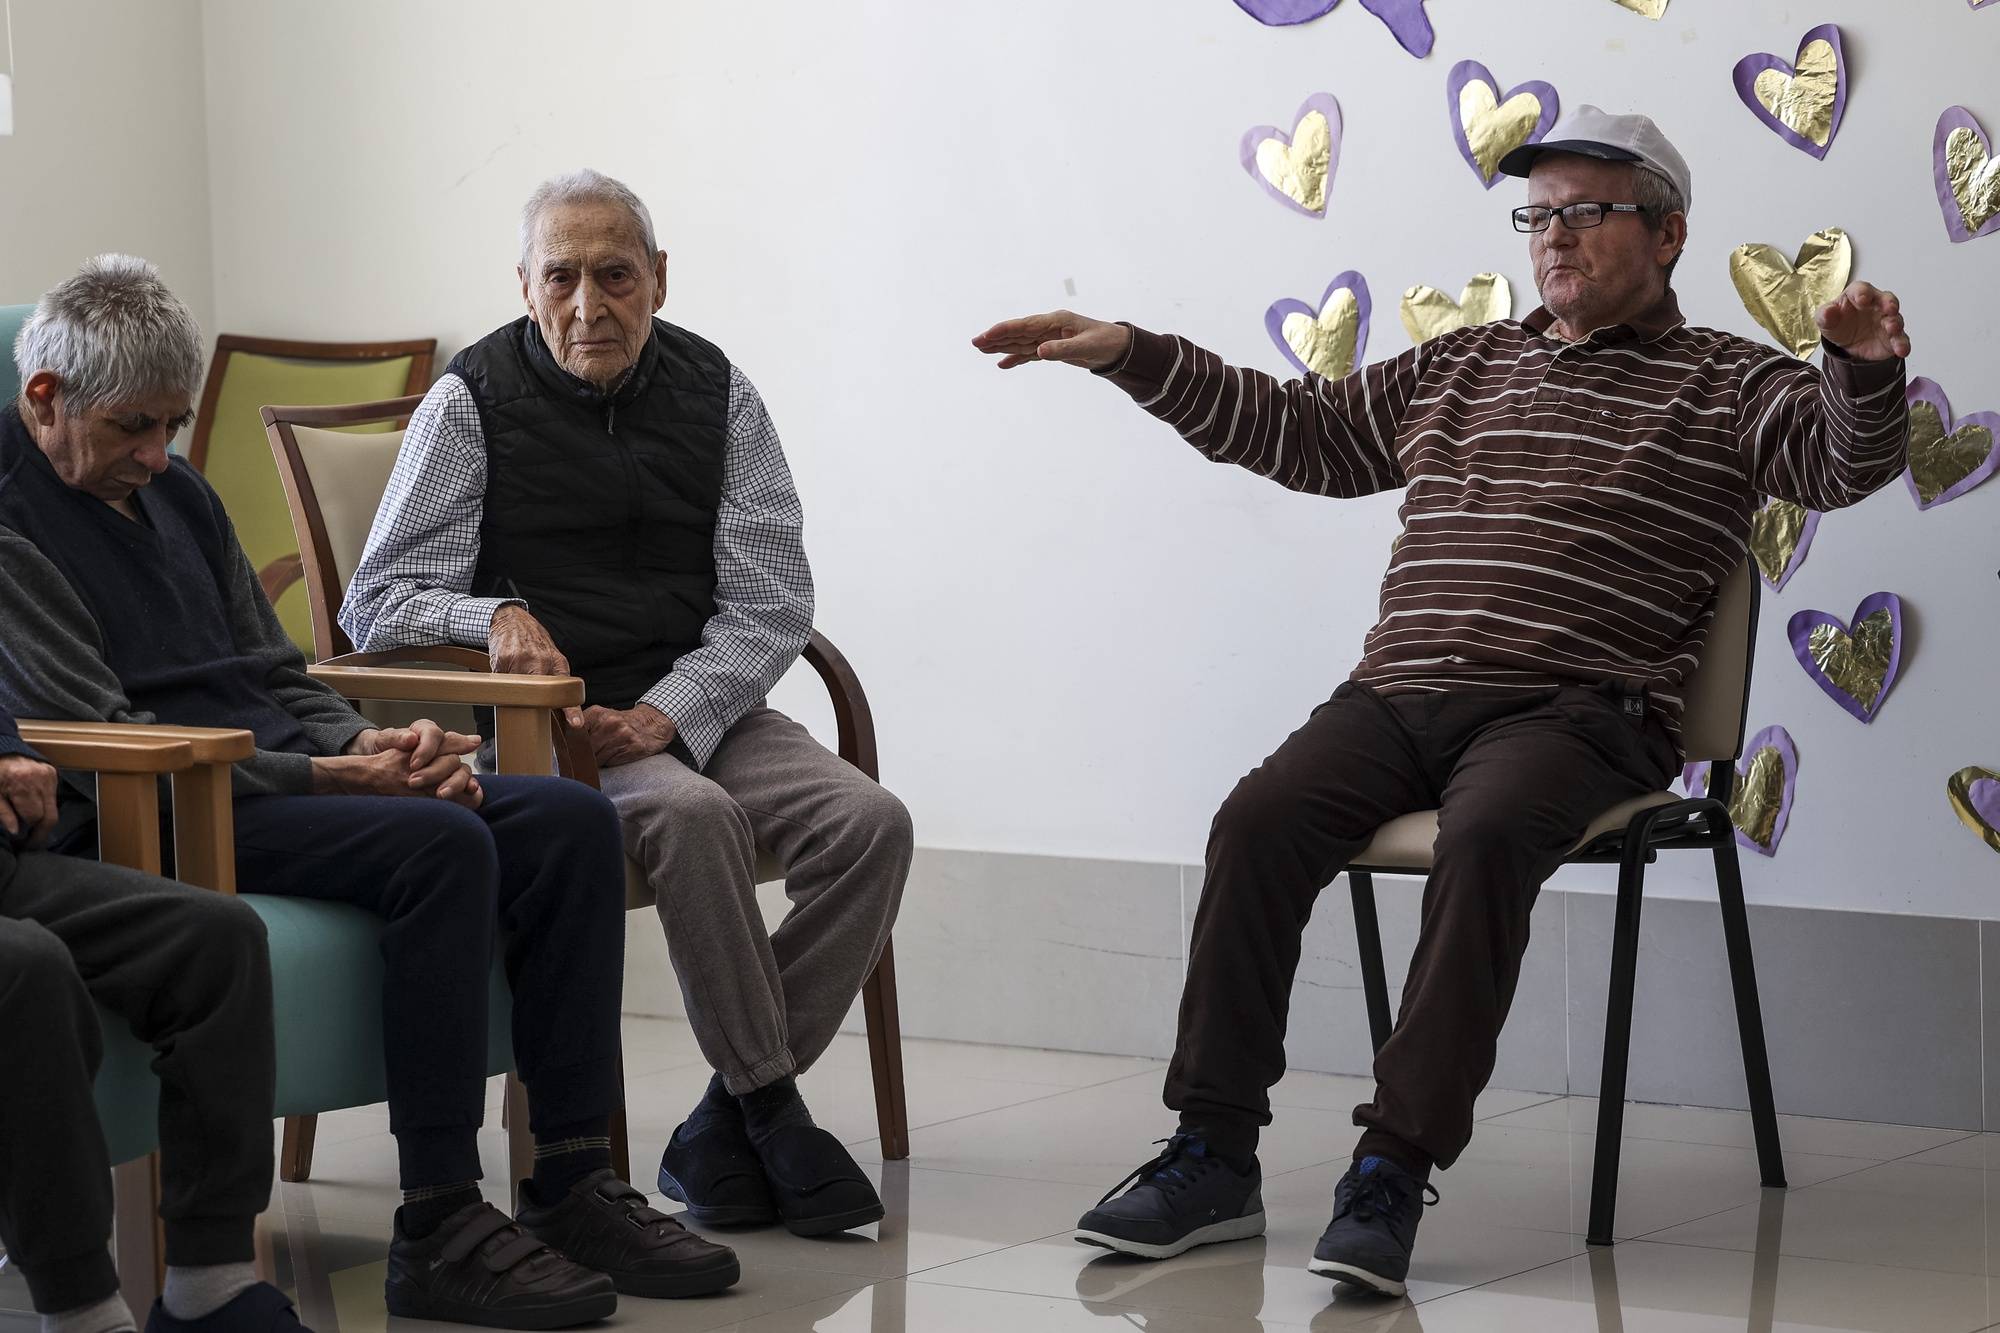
(1649, 325)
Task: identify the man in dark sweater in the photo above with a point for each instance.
(127, 598)
(188, 970)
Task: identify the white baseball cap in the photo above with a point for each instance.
(1589, 132)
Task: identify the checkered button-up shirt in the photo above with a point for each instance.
(413, 585)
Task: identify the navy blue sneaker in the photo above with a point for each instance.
(1376, 1208)
(1185, 1197)
(259, 1308)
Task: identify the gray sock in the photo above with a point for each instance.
(106, 1316)
(192, 1293)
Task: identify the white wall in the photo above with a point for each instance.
(1075, 632)
(109, 150)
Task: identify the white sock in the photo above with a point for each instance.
(106, 1316)
(192, 1293)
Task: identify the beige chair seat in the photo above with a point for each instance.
(639, 894)
(1404, 843)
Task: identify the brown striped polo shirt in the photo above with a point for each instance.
(1569, 508)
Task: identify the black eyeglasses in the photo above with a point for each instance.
(1575, 216)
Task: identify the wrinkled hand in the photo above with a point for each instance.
(27, 799)
(518, 644)
(422, 759)
(627, 735)
(1060, 335)
(1866, 323)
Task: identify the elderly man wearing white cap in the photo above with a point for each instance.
(1577, 485)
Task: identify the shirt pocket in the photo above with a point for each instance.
(1605, 457)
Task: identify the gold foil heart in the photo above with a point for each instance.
(1959, 787)
(1783, 295)
(1326, 344)
(1428, 312)
(1299, 171)
(1975, 178)
(1939, 461)
(1493, 131)
(1775, 532)
(1652, 9)
(1804, 101)
(1857, 664)
(1754, 805)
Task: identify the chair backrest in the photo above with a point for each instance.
(333, 477)
(1718, 695)
(227, 444)
(12, 317)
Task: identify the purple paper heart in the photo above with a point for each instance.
(1323, 103)
(1807, 530)
(1408, 21)
(1748, 68)
(1800, 631)
(1274, 318)
(1695, 779)
(1922, 390)
(1284, 13)
(1957, 118)
(1984, 793)
(1981, 4)
(1467, 72)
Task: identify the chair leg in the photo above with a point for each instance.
(295, 1157)
(885, 1056)
(141, 1245)
(1368, 938)
(520, 1141)
(1618, 1033)
(1749, 1015)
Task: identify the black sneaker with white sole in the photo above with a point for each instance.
(1187, 1196)
(1376, 1208)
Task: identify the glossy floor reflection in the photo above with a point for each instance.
(1887, 1227)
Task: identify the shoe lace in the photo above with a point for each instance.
(1166, 1171)
(1375, 1194)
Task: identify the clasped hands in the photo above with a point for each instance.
(422, 759)
(518, 643)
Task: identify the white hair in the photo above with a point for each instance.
(583, 187)
(1661, 199)
(113, 334)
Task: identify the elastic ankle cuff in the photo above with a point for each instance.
(71, 1284)
(198, 1242)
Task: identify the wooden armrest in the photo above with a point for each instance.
(452, 687)
(99, 753)
(209, 745)
(851, 714)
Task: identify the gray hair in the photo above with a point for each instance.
(1661, 200)
(583, 187)
(112, 334)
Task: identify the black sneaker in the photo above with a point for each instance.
(261, 1308)
(480, 1268)
(606, 1225)
(818, 1187)
(1376, 1208)
(717, 1175)
(1185, 1197)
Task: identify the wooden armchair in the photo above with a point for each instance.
(334, 478)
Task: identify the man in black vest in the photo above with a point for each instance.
(127, 598)
(592, 490)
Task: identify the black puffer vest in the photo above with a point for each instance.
(600, 505)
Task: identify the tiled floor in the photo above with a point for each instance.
(1886, 1227)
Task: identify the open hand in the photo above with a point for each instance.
(627, 735)
(27, 799)
(1866, 323)
(1060, 335)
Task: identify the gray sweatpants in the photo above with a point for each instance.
(764, 1006)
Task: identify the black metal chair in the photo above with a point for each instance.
(1631, 836)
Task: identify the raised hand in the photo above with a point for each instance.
(1866, 323)
(1060, 335)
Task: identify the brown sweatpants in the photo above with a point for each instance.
(1516, 776)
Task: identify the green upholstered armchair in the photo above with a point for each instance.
(12, 317)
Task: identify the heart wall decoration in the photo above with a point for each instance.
(1487, 125)
(1780, 535)
(1948, 455)
(1856, 664)
(1651, 9)
(1783, 295)
(1284, 13)
(1975, 797)
(1803, 101)
(1406, 19)
(1329, 340)
(1428, 312)
(1297, 169)
(1968, 176)
(1761, 804)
